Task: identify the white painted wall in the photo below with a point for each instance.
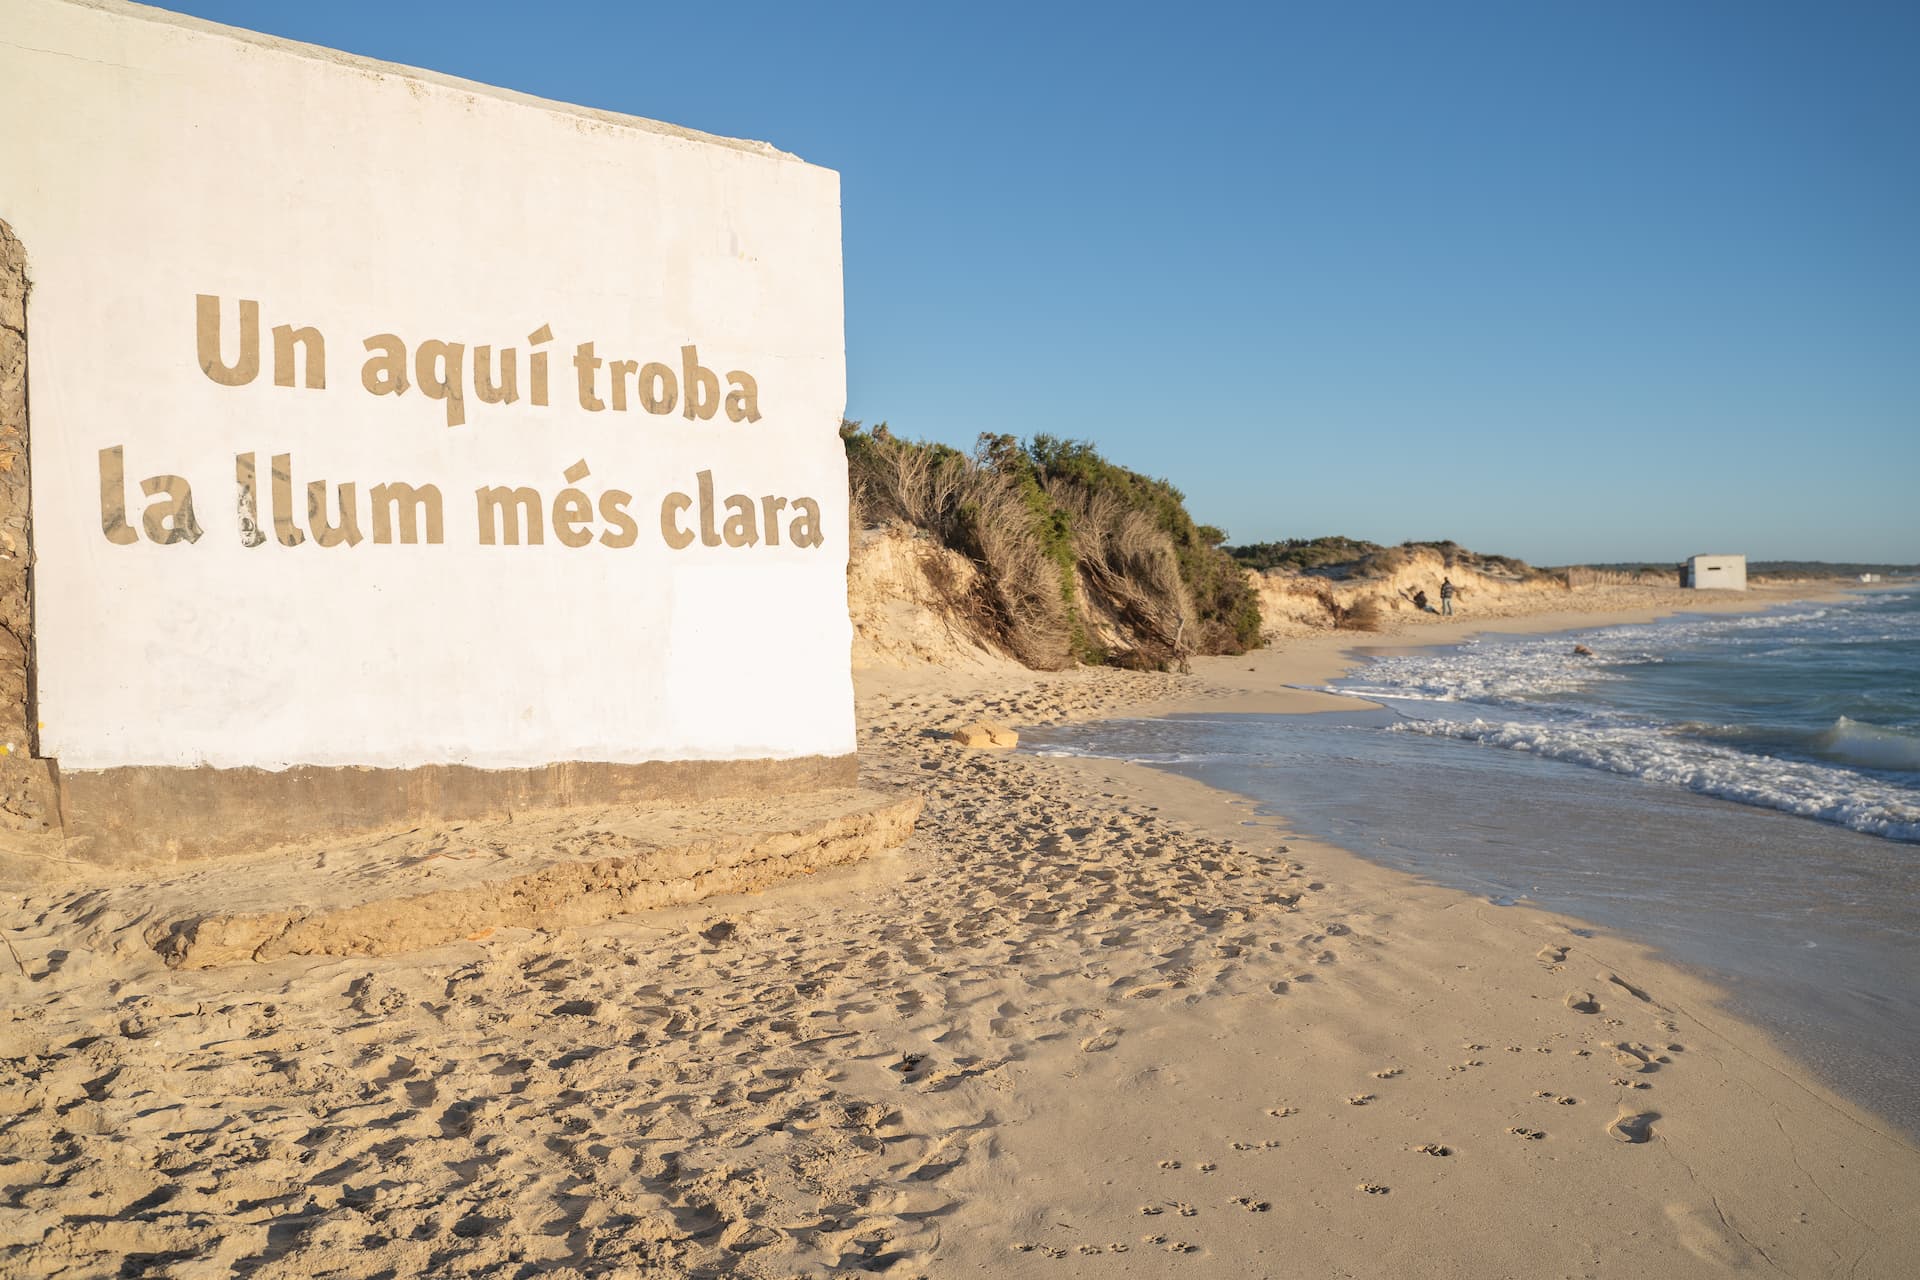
(1719, 573)
(148, 158)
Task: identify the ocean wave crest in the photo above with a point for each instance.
(1804, 789)
(1870, 746)
(1500, 675)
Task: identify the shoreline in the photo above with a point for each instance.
(1322, 660)
(1726, 1130)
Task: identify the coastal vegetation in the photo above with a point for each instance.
(1338, 557)
(1079, 559)
(1046, 551)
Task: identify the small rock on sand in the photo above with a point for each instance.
(985, 733)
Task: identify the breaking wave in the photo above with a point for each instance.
(1791, 786)
(1813, 712)
(1870, 746)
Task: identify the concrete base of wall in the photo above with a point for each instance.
(144, 817)
(449, 882)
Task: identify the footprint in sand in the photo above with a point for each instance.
(1620, 982)
(1102, 1042)
(1387, 1073)
(1634, 1057)
(1373, 1188)
(1169, 1164)
(1359, 1099)
(1531, 1135)
(1632, 1126)
(1707, 1234)
(1433, 1149)
(1251, 1205)
(1630, 1084)
(1581, 1002)
(1551, 954)
(1151, 1210)
(1281, 1113)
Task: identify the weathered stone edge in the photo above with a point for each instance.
(558, 894)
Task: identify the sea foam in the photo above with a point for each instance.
(1810, 711)
(1662, 756)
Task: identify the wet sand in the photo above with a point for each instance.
(1810, 927)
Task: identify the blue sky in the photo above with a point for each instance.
(1573, 282)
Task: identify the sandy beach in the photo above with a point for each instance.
(1091, 1020)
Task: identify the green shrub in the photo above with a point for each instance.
(1336, 557)
(1050, 521)
(1303, 555)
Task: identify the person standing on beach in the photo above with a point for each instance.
(1446, 596)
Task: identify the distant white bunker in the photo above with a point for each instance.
(1720, 573)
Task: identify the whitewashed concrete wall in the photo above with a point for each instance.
(148, 159)
(1724, 573)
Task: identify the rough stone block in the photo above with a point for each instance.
(987, 734)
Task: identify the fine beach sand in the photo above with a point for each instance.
(1092, 1020)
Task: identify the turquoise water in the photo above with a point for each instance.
(1741, 792)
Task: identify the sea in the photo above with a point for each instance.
(1741, 792)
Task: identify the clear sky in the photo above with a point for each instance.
(1574, 282)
